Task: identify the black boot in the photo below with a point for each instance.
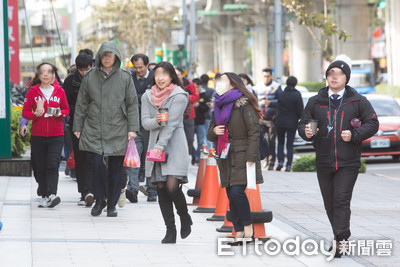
(167, 211)
(98, 207)
(280, 166)
(180, 204)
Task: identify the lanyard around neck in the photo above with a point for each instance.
(331, 122)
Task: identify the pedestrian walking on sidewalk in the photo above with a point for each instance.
(201, 108)
(142, 77)
(235, 126)
(106, 116)
(268, 99)
(83, 166)
(290, 107)
(47, 133)
(338, 143)
(167, 93)
(188, 120)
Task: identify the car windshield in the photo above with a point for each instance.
(360, 80)
(385, 107)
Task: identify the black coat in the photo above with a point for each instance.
(290, 107)
(333, 151)
(71, 87)
(244, 138)
(202, 109)
(140, 90)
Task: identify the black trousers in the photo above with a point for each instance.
(289, 145)
(239, 206)
(188, 126)
(270, 129)
(83, 168)
(46, 156)
(337, 189)
(107, 178)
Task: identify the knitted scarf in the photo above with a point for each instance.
(223, 111)
(158, 96)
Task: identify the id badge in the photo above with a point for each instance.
(224, 153)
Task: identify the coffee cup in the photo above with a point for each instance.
(313, 125)
(164, 116)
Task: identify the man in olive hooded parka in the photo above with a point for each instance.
(106, 116)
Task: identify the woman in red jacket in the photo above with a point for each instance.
(47, 137)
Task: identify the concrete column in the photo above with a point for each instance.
(305, 54)
(231, 46)
(353, 16)
(205, 50)
(393, 41)
(259, 51)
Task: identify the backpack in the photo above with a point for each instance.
(263, 149)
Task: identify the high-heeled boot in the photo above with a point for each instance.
(181, 206)
(167, 211)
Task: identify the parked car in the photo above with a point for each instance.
(387, 140)
(298, 141)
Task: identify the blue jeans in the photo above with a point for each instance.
(289, 145)
(206, 125)
(200, 131)
(136, 175)
(239, 207)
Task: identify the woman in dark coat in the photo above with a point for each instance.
(235, 126)
(290, 107)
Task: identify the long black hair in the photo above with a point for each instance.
(169, 68)
(247, 78)
(36, 79)
(237, 83)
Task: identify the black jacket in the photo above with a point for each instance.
(140, 90)
(71, 87)
(202, 109)
(290, 107)
(331, 150)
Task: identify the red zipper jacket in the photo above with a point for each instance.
(50, 126)
(193, 96)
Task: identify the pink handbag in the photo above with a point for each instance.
(151, 156)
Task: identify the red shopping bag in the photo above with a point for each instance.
(132, 158)
(71, 161)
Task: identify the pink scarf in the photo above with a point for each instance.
(158, 96)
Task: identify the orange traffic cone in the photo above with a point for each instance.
(196, 192)
(209, 191)
(222, 206)
(227, 227)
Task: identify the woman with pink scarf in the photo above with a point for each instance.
(167, 93)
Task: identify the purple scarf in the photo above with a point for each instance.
(222, 112)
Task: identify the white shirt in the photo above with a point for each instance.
(145, 76)
(340, 93)
(47, 92)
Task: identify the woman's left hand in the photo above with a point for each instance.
(250, 163)
(158, 152)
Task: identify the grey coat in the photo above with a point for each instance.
(171, 138)
(106, 108)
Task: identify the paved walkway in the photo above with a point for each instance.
(68, 236)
